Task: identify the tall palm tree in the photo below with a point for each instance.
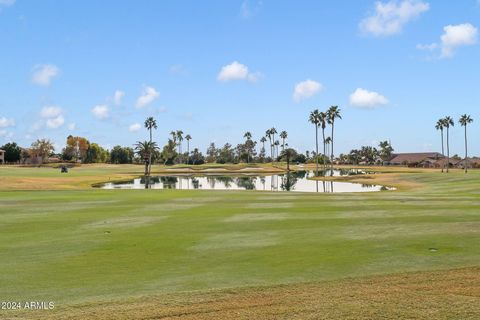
(268, 134)
(332, 114)
(174, 137)
(322, 116)
(247, 135)
(277, 143)
(314, 118)
(328, 141)
(283, 135)
(188, 138)
(179, 135)
(263, 140)
(273, 131)
(464, 121)
(439, 126)
(447, 123)
(150, 123)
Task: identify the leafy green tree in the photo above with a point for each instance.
(96, 154)
(226, 154)
(12, 152)
(386, 150)
(196, 158)
(288, 155)
(464, 121)
(169, 154)
(212, 153)
(369, 154)
(42, 148)
(121, 155)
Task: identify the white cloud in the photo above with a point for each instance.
(5, 123)
(455, 36)
(7, 3)
(56, 122)
(148, 95)
(72, 126)
(134, 127)
(306, 89)
(50, 112)
(118, 97)
(249, 10)
(43, 74)
(362, 98)
(390, 17)
(237, 71)
(101, 111)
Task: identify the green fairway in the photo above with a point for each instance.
(78, 246)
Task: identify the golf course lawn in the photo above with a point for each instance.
(413, 252)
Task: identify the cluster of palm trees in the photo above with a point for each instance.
(147, 149)
(444, 124)
(274, 144)
(321, 120)
(177, 137)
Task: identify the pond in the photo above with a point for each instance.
(294, 181)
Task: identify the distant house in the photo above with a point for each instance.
(442, 163)
(422, 159)
(2, 156)
(471, 162)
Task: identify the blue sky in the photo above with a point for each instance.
(216, 69)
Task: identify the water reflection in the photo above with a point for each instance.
(292, 181)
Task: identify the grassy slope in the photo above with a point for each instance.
(93, 245)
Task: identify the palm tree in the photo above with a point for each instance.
(247, 135)
(464, 121)
(447, 123)
(328, 141)
(277, 143)
(150, 123)
(145, 150)
(273, 131)
(439, 126)
(174, 137)
(332, 114)
(263, 140)
(284, 136)
(268, 135)
(188, 138)
(179, 135)
(322, 116)
(315, 119)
